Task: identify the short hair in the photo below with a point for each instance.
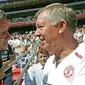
(42, 51)
(57, 11)
(2, 14)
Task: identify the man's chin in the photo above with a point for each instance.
(45, 47)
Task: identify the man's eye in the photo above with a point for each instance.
(40, 26)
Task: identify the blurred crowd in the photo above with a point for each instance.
(25, 46)
(18, 19)
(79, 34)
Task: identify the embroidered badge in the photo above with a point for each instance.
(79, 56)
(68, 72)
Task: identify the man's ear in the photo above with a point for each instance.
(62, 26)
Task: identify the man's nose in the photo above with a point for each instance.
(37, 33)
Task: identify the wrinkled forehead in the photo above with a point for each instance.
(42, 18)
(42, 14)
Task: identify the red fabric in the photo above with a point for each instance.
(16, 73)
(79, 16)
(2, 83)
(21, 23)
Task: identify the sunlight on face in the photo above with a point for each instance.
(47, 33)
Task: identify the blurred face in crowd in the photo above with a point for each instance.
(47, 32)
(4, 34)
(42, 58)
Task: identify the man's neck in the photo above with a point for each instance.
(65, 54)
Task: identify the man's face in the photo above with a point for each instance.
(42, 58)
(4, 35)
(47, 33)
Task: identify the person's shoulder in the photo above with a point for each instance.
(78, 54)
(35, 66)
(51, 59)
(82, 44)
(81, 47)
(49, 62)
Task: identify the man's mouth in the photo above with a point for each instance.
(42, 43)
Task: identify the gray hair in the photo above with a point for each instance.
(57, 11)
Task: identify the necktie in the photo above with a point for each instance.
(42, 66)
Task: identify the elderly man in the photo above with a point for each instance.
(55, 25)
(4, 37)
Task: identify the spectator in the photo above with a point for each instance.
(56, 24)
(35, 72)
(78, 36)
(4, 37)
(7, 58)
